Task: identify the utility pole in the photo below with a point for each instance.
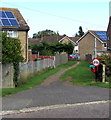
(95, 50)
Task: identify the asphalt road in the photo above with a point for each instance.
(56, 93)
(91, 110)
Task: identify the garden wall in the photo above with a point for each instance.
(61, 59)
(29, 69)
(7, 74)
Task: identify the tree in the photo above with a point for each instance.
(11, 53)
(46, 48)
(80, 32)
(43, 33)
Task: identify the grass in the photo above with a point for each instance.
(82, 75)
(36, 80)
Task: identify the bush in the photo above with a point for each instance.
(106, 59)
(11, 53)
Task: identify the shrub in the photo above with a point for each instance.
(11, 53)
(106, 59)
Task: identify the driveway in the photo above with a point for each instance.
(54, 92)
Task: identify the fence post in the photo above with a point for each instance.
(103, 74)
(54, 62)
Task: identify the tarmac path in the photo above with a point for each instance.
(53, 92)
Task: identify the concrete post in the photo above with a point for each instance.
(103, 74)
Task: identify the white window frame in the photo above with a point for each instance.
(12, 34)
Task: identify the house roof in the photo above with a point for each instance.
(18, 16)
(52, 39)
(74, 39)
(100, 35)
(34, 40)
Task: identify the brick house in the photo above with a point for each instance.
(13, 23)
(109, 35)
(92, 43)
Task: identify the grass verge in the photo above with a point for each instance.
(82, 75)
(36, 80)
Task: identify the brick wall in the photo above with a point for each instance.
(65, 41)
(109, 34)
(22, 36)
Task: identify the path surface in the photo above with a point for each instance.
(56, 76)
(54, 92)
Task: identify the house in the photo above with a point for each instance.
(54, 39)
(109, 35)
(13, 23)
(92, 43)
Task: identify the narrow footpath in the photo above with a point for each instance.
(56, 77)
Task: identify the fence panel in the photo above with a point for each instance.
(29, 69)
(7, 76)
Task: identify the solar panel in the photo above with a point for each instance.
(2, 14)
(101, 34)
(9, 14)
(8, 19)
(0, 23)
(13, 22)
(5, 22)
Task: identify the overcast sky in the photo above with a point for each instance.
(64, 16)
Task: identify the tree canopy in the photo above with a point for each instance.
(45, 33)
(46, 48)
(80, 32)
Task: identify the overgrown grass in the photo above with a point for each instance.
(82, 75)
(34, 81)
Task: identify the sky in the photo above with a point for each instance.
(63, 16)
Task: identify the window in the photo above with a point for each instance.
(105, 45)
(12, 34)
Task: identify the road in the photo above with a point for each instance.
(54, 94)
(89, 110)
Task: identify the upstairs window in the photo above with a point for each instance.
(12, 34)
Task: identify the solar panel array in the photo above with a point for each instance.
(102, 35)
(7, 18)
